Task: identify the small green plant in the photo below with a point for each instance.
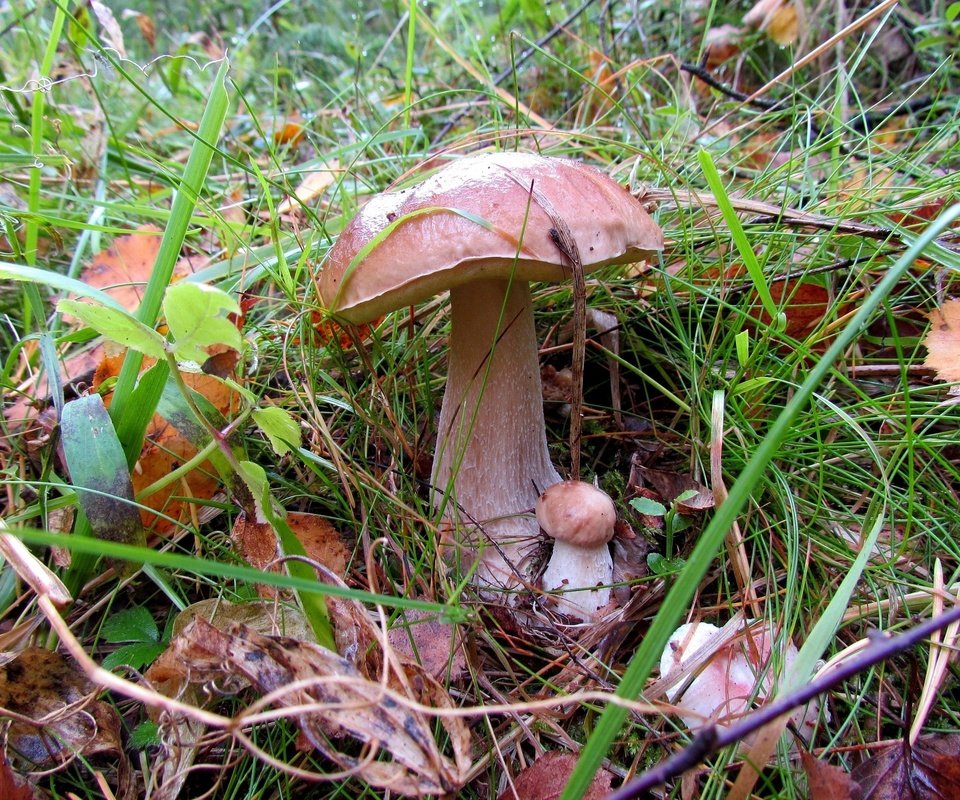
(136, 631)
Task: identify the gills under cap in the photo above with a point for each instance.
(478, 217)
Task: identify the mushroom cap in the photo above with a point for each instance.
(478, 218)
(577, 513)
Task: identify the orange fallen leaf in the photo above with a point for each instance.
(165, 448)
(44, 686)
(943, 341)
(256, 542)
(779, 19)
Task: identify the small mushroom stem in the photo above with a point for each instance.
(492, 454)
(580, 568)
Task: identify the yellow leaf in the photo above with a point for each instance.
(943, 341)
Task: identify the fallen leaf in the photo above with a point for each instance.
(65, 720)
(314, 184)
(943, 341)
(12, 787)
(669, 486)
(804, 303)
(169, 675)
(720, 45)
(335, 701)
(779, 19)
(148, 30)
(421, 638)
(257, 542)
(546, 778)
(825, 781)
(167, 445)
(930, 770)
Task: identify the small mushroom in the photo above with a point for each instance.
(580, 518)
(483, 227)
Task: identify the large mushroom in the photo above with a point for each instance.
(483, 227)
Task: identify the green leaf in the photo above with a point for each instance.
(660, 565)
(136, 655)
(130, 625)
(117, 326)
(279, 427)
(195, 314)
(98, 470)
(146, 734)
(952, 12)
(645, 505)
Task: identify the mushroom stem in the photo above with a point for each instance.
(579, 568)
(492, 455)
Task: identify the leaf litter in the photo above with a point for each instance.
(369, 696)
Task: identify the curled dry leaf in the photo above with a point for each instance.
(943, 341)
(343, 704)
(56, 717)
(825, 781)
(546, 778)
(669, 486)
(729, 678)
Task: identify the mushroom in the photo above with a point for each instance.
(483, 227)
(736, 675)
(580, 518)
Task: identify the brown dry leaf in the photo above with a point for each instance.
(11, 786)
(148, 30)
(930, 770)
(344, 705)
(943, 341)
(421, 638)
(669, 486)
(597, 100)
(806, 305)
(169, 676)
(548, 775)
(825, 781)
(720, 45)
(311, 187)
(779, 19)
(44, 687)
(257, 543)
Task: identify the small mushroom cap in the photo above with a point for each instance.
(577, 513)
(467, 220)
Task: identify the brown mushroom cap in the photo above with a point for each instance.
(577, 513)
(466, 221)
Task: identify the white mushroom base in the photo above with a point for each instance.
(592, 566)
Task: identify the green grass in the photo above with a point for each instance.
(839, 451)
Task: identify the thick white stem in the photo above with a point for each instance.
(491, 459)
(573, 568)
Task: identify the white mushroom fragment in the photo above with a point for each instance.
(735, 677)
(484, 227)
(580, 518)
